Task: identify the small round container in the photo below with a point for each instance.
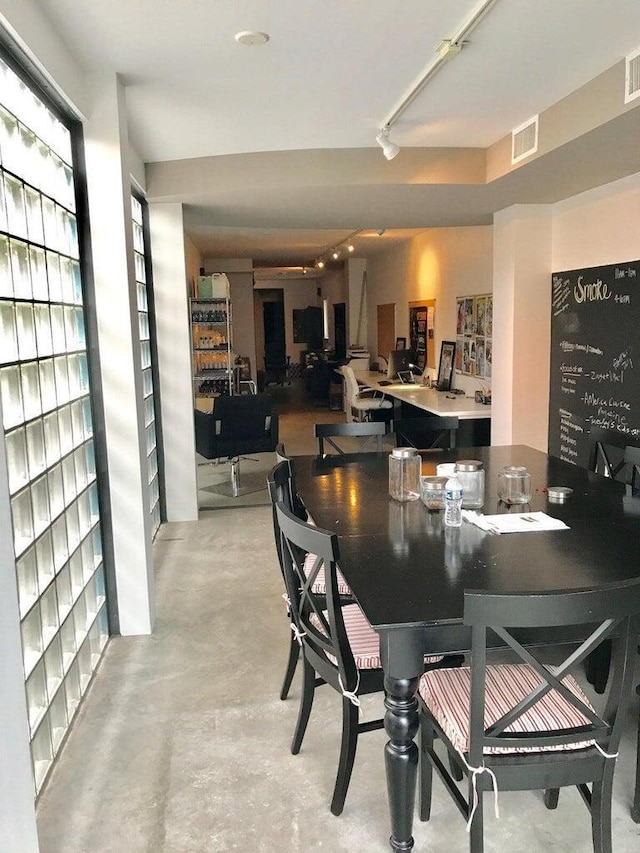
(432, 492)
(405, 466)
(558, 494)
(471, 474)
(446, 469)
(514, 485)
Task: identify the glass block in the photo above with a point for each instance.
(57, 329)
(147, 382)
(51, 239)
(78, 328)
(84, 665)
(145, 353)
(11, 390)
(26, 331)
(27, 573)
(94, 506)
(9, 139)
(40, 505)
(77, 422)
(151, 437)
(51, 438)
(42, 751)
(47, 385)
(68, 642)
(152, 464)
(6, 277)
(44, 338)
(56, 491)
(58, 719)
(69, 479)
(16, 209)
(103, 623)
(66, 429)
(49, 614)
(101, 594)
(53, 666)
(38, 264)
(87, 417)
(73, 368)
(95, 645)
(66, 276)
(80, 462)
(76, 574)
(84, 514)
(3, 206)
(8, 333)
(79, 614)
(68, 197)
(97, 546)
(91, 599)
(72, 689)
(143, 326)
(35, 227)
(18, 466)
(77, 282)
(73, 526)
(22, 521)
(83, 372)
(141, 279)
(64, 593)
(59, 540)
(90, 461)
(62, 379)
(32, 645)
(44, 560)
(35, 448)
(19, 253)
(72, 236)
(149, 413)
(31, 401)
(53, 274)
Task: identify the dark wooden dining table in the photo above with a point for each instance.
(409, 572)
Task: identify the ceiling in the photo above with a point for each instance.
(321, 88)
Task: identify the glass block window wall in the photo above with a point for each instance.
(47, 418)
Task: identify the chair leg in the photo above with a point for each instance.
(306, 701)
(294, 654)
(350, 718)
(476, 833)
(551, 797)
(455, 769)
(426, 770)
(601, 812)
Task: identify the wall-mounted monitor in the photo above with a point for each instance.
(400, 359)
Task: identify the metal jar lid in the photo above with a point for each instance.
(403, 452)
(434, 484)
(558, 494)
(468, 465)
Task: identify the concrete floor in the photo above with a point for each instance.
(182, 745)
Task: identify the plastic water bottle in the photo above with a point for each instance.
(453, 502)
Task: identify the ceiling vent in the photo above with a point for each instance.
(632, 76)
(524, 140)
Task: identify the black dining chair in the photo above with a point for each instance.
(340, 648)
(427, 433)
(529, 725)
(331, 434)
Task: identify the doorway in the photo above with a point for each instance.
(340, 330)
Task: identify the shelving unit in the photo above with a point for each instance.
(212, 347)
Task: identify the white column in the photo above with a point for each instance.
(357, 302)
(521, 325)
(17, 796)
(109, 190)
(174, 360)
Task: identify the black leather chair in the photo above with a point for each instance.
(238, 425)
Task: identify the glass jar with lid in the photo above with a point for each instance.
(514, 485)
(405, 466)
(432, 492)
(470, 472)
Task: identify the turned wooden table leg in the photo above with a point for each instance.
(401, 757)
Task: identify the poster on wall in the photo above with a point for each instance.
(421, 332)
(474, 332)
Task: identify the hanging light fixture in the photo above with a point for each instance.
(389, 148)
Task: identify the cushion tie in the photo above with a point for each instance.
(475, 772)
(602, 752)
(287, 599)
(351, 695)
(297, 634)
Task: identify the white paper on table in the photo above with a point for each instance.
(520, 522)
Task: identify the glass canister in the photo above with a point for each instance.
(514, 485)
(405, 466)
(470, 472)
(432, 492)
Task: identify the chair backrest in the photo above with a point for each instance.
(352, 388)
(612, 456)
(602, 612)
(428, 433)
(318, 619)
(357, 429)
(296, 504)
(243, 416)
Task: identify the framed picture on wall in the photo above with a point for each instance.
(401, 343)
(445, 368)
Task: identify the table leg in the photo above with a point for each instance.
(401, 757)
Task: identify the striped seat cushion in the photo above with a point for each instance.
(364, 642)
(319, 586)
(446, 693)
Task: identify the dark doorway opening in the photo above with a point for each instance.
(340, 330)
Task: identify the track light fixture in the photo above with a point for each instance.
(389, 148)
(335, 252)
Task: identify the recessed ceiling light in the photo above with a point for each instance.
(252, 38)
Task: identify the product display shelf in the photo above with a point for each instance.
(212, 347)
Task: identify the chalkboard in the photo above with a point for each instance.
(595, 334)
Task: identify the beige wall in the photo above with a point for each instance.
(298, 293)
(440, 264)
(192, 262)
